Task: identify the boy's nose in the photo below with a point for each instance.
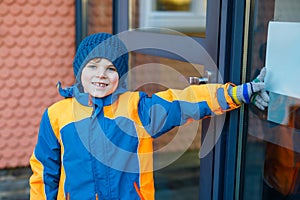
(101, 73)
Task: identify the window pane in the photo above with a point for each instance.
(272, 162)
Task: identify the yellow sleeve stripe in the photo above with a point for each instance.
(232, 104)
(37, 186)
(234, 96)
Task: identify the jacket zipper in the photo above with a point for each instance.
(68, 196)
(138, 191)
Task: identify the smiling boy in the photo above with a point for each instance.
(97, 142)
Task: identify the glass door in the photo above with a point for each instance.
(271, 138)
(170, 40)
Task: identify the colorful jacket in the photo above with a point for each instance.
(104, 151)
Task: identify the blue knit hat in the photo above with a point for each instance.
(101, 45)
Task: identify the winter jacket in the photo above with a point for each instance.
(101, 148)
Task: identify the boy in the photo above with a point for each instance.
(97, 142)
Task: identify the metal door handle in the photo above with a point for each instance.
(193, 80)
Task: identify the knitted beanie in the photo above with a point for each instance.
(101, 45)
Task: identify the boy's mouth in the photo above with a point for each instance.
(99, 84)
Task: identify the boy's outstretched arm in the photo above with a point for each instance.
(170, 108)
(167, 109)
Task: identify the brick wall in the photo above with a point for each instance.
(37, 40)
(99, 16)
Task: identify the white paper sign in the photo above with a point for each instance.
(282, 109)
(283, 58)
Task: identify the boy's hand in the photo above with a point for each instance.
(253, 92)
(261, 98)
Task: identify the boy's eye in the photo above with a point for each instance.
(92, 66)
(112, 68)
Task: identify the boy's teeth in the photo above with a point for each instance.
(100, 84)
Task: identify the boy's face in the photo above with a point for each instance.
(99, 77)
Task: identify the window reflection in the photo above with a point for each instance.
(173, 5)
(185, 16)
(282, 165)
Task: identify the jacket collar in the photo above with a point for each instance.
(86, 100)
